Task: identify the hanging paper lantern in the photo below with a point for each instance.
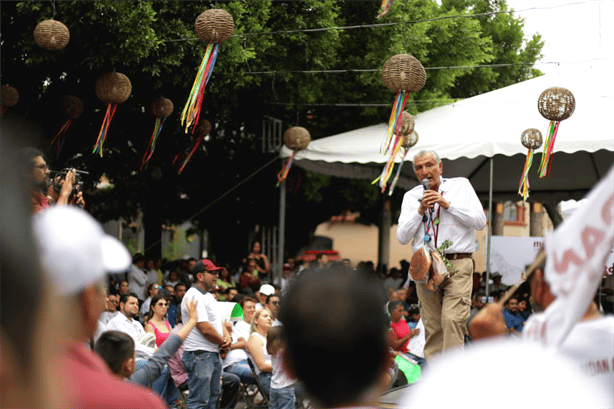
(402, 74)
(213, 27)
(555, 104)
(201, 131)
(51, 35)
(112, 88)
(386, 4)
(73, 108)
(296, 138)
(9, 97)
(161, 108)
(410, 140)
(531, 139)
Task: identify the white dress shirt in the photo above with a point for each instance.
(135, 330)
(107, 316)
(457, 224)
(137, 282)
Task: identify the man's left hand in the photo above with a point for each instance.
(431, 197)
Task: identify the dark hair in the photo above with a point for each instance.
(268, 297)
(238, 298)
(226, 291)
(154, 301)
(179, 285)
(123, 299)
(137, 257)
(413, 309)
(149, 287)
(275, 335)
(24, 158)
(330, 318)
(393, 304)
(114, 347)
(246, 299)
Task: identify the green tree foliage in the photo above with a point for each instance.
(154, 44)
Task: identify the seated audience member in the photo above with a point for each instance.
(175, 304)
(127, 322)
(339, 356)
(256, 345)
(262, 294)
(243, 328)
(273, 303)
(235, 361)
(402, 333)
(230, 293)
(417, 342)
(175, 363)
(282, 384)
(173, 278)
(394, 279)
(524, 309)
(117, 349)
(155, 322)
(87, 255)
(111, 310)
(152, 291)
(513, 319)
(249, 281)
(123, 288)
(223, 283)
(152, 274)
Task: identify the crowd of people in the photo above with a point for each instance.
(144, 333)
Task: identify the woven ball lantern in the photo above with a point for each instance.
(530, 139)
(407, 124)
(402, 74)
(213, 27)
(410, 140)
(51, 35)
(555, 104)
(73, 108)
(161, 108)
(296, 138)
(201, 130)
(112, 88)
(8, 97)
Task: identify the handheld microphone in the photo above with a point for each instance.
(426, 184)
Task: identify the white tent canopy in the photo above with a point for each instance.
(467, 133)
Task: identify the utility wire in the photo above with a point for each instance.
(321, 29)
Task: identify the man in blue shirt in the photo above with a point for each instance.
(513, 319)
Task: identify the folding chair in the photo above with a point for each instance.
(260, 387)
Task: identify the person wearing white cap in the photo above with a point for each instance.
(264, 291)
(76, 254)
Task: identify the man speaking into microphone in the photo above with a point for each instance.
(441, 210)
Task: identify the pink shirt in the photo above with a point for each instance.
(161, 336)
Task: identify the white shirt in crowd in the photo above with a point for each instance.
(135, 330)
(152, 277)
(457, 224)
(280, 378)
(416, 343)
(207, 312)
(107, 316)
(145, 307)
(100, 328)
(137, 282)
(267, 356)
(239, 330)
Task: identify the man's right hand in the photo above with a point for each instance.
(66, 189)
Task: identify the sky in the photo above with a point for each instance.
(572, 30)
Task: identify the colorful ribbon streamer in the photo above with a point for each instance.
(191, 111)
(384, 8)
(546, 161)
(523, 187)
(283, 174)
(60, 137)
(187, 154)
(3, 111)
(396, 177)
(102, 135)
(153, 140)
(393, 141)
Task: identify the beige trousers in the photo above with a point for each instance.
(445, 311)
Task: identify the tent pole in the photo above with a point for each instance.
(490, 220)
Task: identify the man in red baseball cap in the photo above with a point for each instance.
(201, 349)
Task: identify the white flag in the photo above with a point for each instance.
(575, 254)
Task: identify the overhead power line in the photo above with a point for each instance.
(380, 25)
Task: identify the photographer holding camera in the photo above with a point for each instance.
(42, 192)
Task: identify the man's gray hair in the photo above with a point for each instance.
(421, 154)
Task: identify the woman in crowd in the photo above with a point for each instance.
(156, 322)
(262, 262)
(256, 346)
(223, 282)
(152, 291)
(123, 288)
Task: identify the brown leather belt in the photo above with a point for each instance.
(457, 256)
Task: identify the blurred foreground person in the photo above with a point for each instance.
(77, 254)
(31, 317)
(335, 328)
